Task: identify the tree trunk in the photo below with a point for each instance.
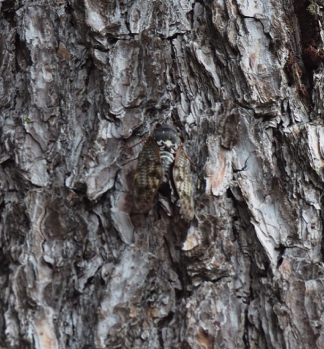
(81, 83)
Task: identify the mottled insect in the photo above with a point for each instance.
(163, 160)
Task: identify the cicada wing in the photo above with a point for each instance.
(148, 176)
(182, 181)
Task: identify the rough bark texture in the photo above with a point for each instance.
(84, 80)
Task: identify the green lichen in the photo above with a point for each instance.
(313, 8)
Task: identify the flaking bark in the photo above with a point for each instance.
(83, 81)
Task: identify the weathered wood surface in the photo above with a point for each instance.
(81, 82)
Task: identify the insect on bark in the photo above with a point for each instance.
(163, 160)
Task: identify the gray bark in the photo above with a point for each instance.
(81, 83)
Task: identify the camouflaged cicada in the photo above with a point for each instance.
(163, 160)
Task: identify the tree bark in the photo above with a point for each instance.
(81, 83)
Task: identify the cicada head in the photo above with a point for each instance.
(168, 141)
(167, 138)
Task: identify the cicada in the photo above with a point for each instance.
(163, 160)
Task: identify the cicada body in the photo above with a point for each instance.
(162, 159)
(182, 181)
